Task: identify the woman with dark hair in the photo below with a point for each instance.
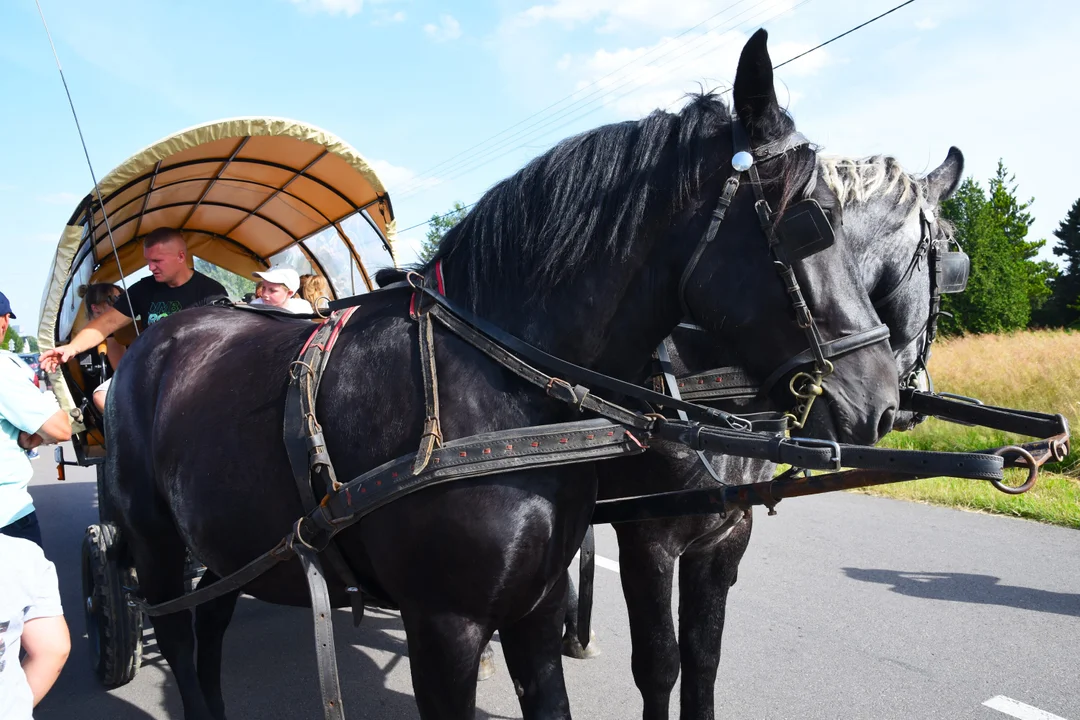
(97, 298)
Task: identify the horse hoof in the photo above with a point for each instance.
(571, 648)
(487, 664)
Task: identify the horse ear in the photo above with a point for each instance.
(943, 181)
(754, 92)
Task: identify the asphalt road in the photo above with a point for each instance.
(846, 607)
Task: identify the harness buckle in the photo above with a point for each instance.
(834, 461)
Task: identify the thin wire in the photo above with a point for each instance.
(93, 176)
(426, 173)
(544, 126)
(777, 67)
(440, 217)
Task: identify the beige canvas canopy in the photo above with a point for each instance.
(246, 192)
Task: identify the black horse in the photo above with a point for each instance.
(580, 253)
(890, 218)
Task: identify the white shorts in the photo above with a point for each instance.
(103, 387)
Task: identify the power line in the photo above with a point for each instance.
(543, 126)
(579, 90)
(775, 67)
(818, 47)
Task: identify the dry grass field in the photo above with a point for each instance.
(1036, 370)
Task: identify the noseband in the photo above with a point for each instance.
(801, 231)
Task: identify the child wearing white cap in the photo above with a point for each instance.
(279, 287)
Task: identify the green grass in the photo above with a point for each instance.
(1030, 370)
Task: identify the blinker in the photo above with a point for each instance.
(804, 230)
(742, 161)
(955, 268)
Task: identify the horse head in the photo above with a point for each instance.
(904, 251)
(824, 339)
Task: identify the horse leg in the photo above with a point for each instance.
(211, 620)
(705, 576)
(160, 561)
(444, 653)
(533, 650)
(647, 569)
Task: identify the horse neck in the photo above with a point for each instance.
(608, 318)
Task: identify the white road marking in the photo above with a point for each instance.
(607, 564)
(1007, 705)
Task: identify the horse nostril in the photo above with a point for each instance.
(885, 424)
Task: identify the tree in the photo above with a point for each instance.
(1006, 285)
(438, 226)
(1064, 305)
(236, 285)
(11, 340)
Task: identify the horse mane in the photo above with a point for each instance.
(590, 195)
(857, 180)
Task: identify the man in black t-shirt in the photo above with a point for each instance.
(173, 287)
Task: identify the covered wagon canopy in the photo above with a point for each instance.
(242, 191)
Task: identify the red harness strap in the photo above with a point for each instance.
(339, 319)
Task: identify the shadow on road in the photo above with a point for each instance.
(970, 588)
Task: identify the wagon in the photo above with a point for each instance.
(247, 193)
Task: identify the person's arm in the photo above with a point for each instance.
(54, 430)
(115, 351)
(90, 336)
(47, 644)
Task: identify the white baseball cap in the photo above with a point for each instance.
(282, 275)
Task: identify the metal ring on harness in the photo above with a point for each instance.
(318, 310)
(1029, 462)
(292, 372)
(297, 537)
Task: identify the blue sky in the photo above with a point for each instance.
(414, 84)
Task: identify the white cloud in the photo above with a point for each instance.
(447, 29)
(397, 178)
(59, 198)
(635, 81)
(926, 24)
(385, 17)
(333, 7)
(618, 15)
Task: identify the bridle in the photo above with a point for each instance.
(800, 231)
(948, 273)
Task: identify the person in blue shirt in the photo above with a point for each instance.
(28, 418)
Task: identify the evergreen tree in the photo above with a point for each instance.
(11, 340)
(1064, 305)
(1006, 285)
(439, 226)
